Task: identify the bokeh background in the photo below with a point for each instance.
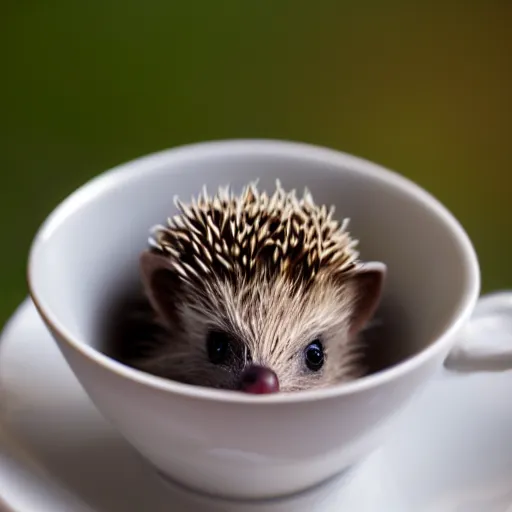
(423, 89)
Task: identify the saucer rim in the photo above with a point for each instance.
(18, 312)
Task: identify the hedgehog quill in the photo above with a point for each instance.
(258, 293)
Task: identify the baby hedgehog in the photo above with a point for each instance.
(257, 293)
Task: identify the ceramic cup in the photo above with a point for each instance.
(259, 446)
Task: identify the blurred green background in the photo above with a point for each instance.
(424, 90)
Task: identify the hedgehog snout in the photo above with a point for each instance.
(259, 380)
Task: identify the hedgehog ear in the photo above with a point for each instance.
(367, 285)
(161, 285)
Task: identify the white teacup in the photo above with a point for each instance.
(258, 446)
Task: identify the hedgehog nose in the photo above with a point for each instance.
(259, 380)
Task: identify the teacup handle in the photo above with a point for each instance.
(486, 340)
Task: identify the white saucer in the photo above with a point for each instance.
(452, 453)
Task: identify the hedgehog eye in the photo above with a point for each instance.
(218, 345)
(314, 355)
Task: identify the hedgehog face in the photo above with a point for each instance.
(260, 296)
(260, 336)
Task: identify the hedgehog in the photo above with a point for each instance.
(256, 293)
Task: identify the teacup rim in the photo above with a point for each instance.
(124, 171)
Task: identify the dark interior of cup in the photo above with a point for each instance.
(93, 247)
